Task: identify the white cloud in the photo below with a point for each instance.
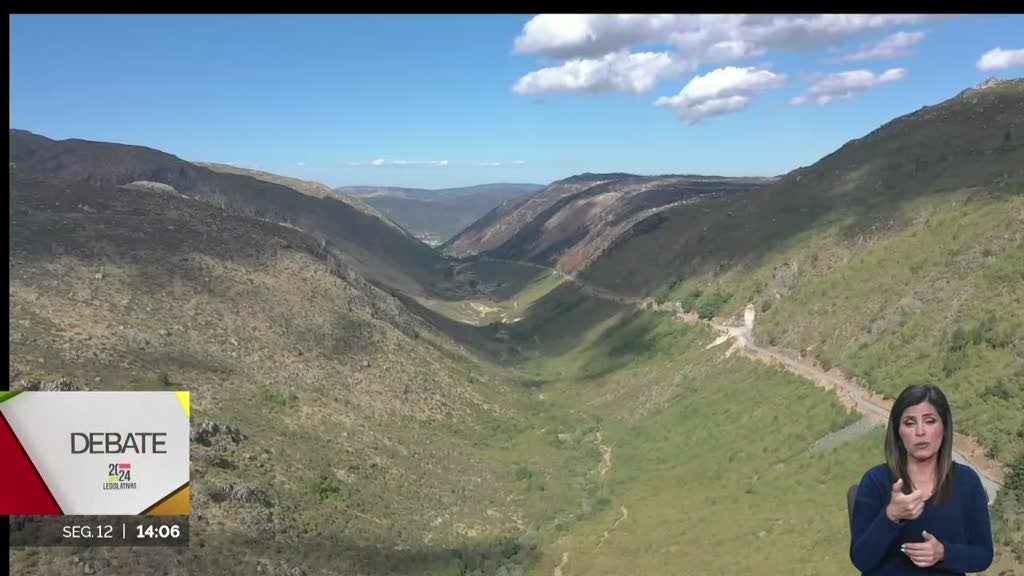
(843, 85)
(732, 50)
(495, 164)
(615, 72)
(300, 163)
(999, 59)
(594, 49)
(379, 162)
(891, 46)
(701, 36)
(571, 36)
(720, 91)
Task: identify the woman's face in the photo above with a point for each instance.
(921, 431)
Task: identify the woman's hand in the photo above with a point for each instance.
(925, 553)
(905, 506)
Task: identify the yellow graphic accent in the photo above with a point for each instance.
(184, 400)
(177, 504)
(7, 394)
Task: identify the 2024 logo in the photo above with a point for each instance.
(119, 472)
(119, 477)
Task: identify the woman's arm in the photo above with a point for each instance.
(872, 532)
(976, 554)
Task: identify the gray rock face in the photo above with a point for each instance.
(58, 385)
(206, 431)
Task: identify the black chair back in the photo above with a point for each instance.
(851, 495)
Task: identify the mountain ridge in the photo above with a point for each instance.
(382, 251)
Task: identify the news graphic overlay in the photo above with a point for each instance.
(90, 467)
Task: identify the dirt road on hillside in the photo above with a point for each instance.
(872, 405)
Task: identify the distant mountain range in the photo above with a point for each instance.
(435, 215)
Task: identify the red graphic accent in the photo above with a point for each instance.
(22, 490)
(124, 465)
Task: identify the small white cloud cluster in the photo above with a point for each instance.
(891, 46)
(720, 91)
(615, 72)
(843, 85)
(496, 164)
(999, 59)
(384, 162)
(381, 162)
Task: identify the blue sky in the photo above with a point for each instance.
(435, 101)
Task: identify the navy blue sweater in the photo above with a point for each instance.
(960, 522)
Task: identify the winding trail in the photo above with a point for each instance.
(602, 468)
(872, 405)
(565, 560)
(606, 456)
(858, 428)
(625, 514)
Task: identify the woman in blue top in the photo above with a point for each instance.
(920, 512)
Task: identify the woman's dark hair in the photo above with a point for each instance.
(896, 452)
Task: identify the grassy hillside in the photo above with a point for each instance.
(920, 283)
(695, 480)
(974, 140)
(898, 259)
(504, 292)
(381, 252)
(366, 441)
(713, 459)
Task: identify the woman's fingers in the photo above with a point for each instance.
(920, 553)
(921, 559)
(910, 505)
